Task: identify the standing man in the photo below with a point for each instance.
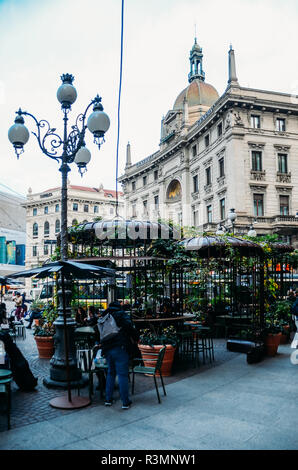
(116, 336)
(18, 300)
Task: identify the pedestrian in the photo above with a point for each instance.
(18, 301)
(24, 306)
(3, 316)
(116, 334)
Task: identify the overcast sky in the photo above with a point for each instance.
(40, 40)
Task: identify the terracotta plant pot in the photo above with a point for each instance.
(272, 342)
(284, 338)
(150, 361)
(45, 346)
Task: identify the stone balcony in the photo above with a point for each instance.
(283, 177)
(258, 175)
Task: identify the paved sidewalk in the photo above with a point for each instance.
(232, 406)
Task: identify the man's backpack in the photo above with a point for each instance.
(107, 327)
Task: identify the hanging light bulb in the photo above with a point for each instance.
(18, 134)
(98, 122)
(82, 158)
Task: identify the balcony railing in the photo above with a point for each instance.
(283, 177)
(258, 175)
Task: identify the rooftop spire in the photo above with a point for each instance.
(128, 156)
(196, 63)
(233, 80)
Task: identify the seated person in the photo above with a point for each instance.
(92, 317)
(81, 316)
(34, 315)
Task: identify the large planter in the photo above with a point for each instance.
(272, 342)
(45, 346)
(284, 338)
(150, 360)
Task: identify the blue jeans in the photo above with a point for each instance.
(117, 359)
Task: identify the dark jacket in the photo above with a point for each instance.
(127, 336)
(294, 309)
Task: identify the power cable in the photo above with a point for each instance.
(119, 102)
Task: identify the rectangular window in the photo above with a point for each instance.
(255, 121)
(280, 125)
(144, 180)
(96, 208)
(134, 210)
(219, 129)
(195, 184)
(284, 205)
(75, 207)
(208, 175)
(194, 151)
(45, 249)
(57, 208)
(258, 205)
(222, 208)
(195, 218)
(34, 211)
(155, 175)
(282, 163)
(156, 201)
(34, 251)
(209, 213)
(207, 140)
(221, 164)
(86, 207)
(256, 164)
(145, 207)
(133, 186)
(46, 210)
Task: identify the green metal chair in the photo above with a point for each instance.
(151, 371)
(5, 381)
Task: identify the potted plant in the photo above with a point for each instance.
(283, 312)
(44, 332)
(151, 341)
(273, 331)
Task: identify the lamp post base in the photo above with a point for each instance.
(49, 383)
(64, 404)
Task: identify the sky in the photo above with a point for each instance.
(41, 40)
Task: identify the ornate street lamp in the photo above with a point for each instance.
(232, 216)
(73, 149)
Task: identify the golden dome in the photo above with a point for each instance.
(198, 93)
(200, 96)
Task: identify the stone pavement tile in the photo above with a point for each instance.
(221, 442)
(236, 409)
(279, 437)
(265, 387)
(81, 444)
(38, 436)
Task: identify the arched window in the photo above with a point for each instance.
(46, 229)
(35, 229)
(57, 226)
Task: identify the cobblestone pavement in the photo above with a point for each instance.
(33, 407)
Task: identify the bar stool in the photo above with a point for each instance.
(21, 331)
(205, 342)
(186, 345)
(5, 381)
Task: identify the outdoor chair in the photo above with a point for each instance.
(87, 365)
(153, 371)
(5, 381)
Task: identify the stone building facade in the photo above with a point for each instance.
(43, 210)
(238, 150)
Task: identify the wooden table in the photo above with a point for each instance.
(161, 320)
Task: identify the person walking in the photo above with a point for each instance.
(116, 333)
(18, 301)
(24, 306)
